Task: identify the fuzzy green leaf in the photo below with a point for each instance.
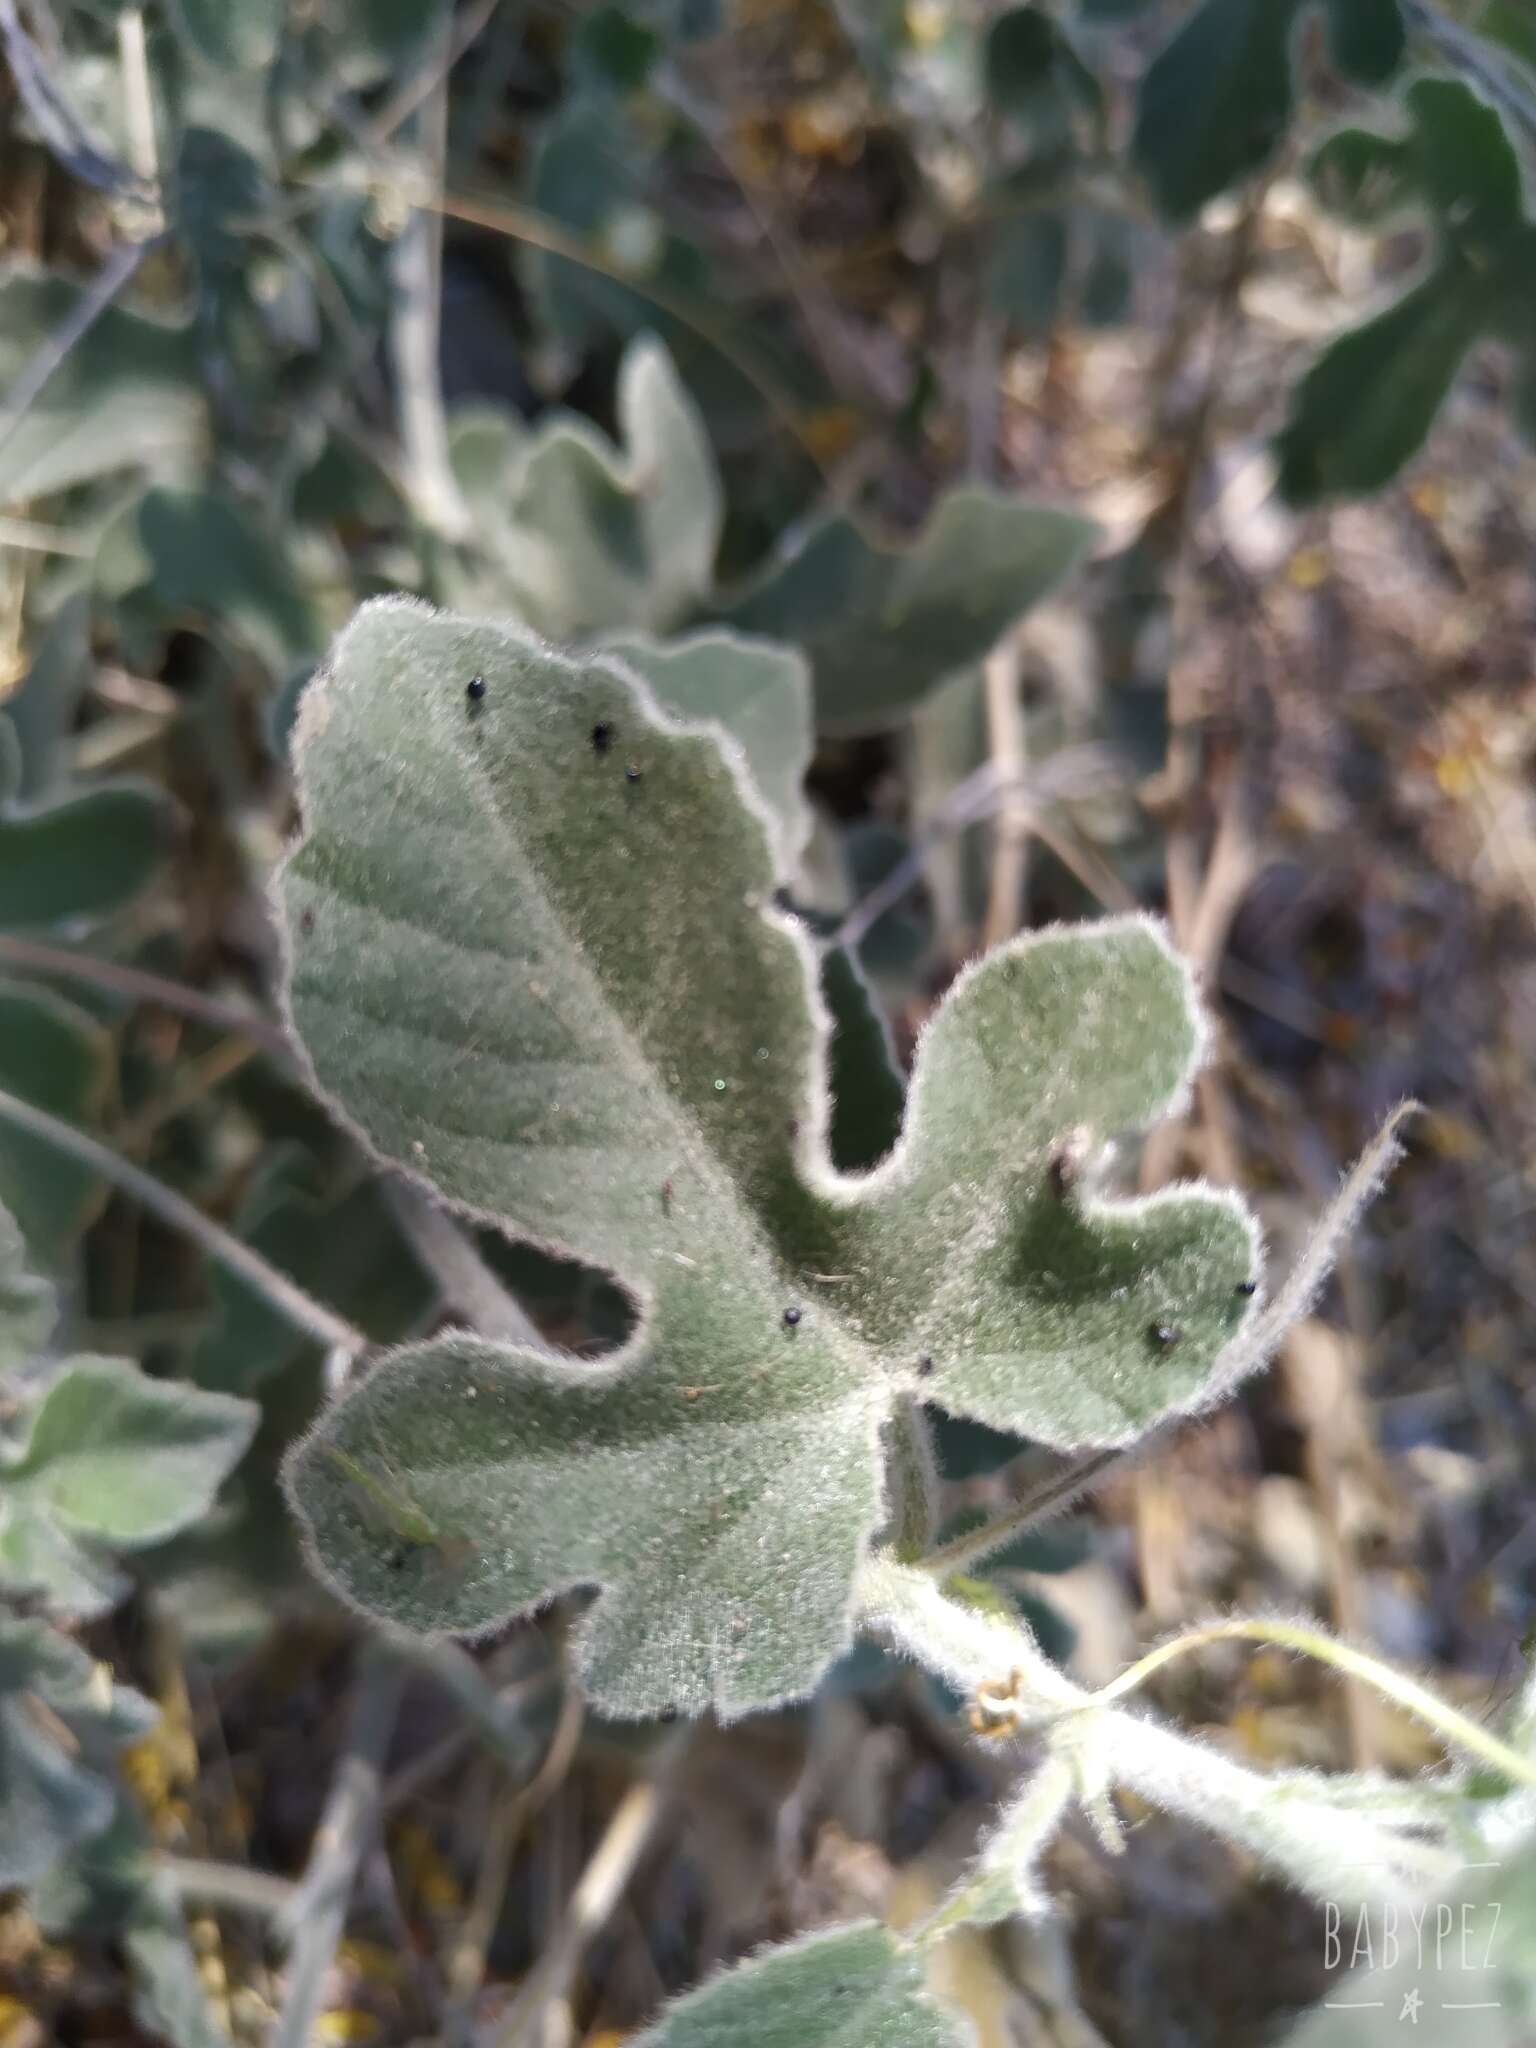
(883, 626)
(53, 1796)
(125, 396)
(546, 974)
(851, 1988)
(112, 1461)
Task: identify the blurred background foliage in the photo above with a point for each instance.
(1078, 449)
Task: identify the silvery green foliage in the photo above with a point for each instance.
(108, 1460)
(855, 1987)
(882, 626)
(589, 538)
(96, 1458)
(760, 692)
(534, 958)
(581, 539)
(114, 1885)
(62, 1721)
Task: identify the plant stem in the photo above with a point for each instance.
(319, 1911)
(598, 1890)
(1455, 1728)
(1047, 1498)
(301, 1309)
(912, 1477)
(230, 1886)
(415, 325)
(466, 1281)
(39, 958)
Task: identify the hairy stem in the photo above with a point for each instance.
(1454, 1728)
(34, 956)
(346, 1830)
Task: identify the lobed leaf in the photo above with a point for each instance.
(599, 538)
(882, 626)
(535, 960)
(854, 1987)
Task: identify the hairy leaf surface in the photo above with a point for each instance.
(535, 959)
(850, 1988)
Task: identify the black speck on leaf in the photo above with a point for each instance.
(474, 689)
(1163, 1334)
(924, 1368)
(306, 921)
(792, 1316)
(602, 736)
(1247, 1287)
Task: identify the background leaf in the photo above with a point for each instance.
(882, 626)
(112, 1460)
(125, 397)
(53, 1793)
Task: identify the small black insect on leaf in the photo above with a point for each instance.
(792, 1316)
(1163, 1335)
(474, 689)
(1247, 1287)
(602, 736)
